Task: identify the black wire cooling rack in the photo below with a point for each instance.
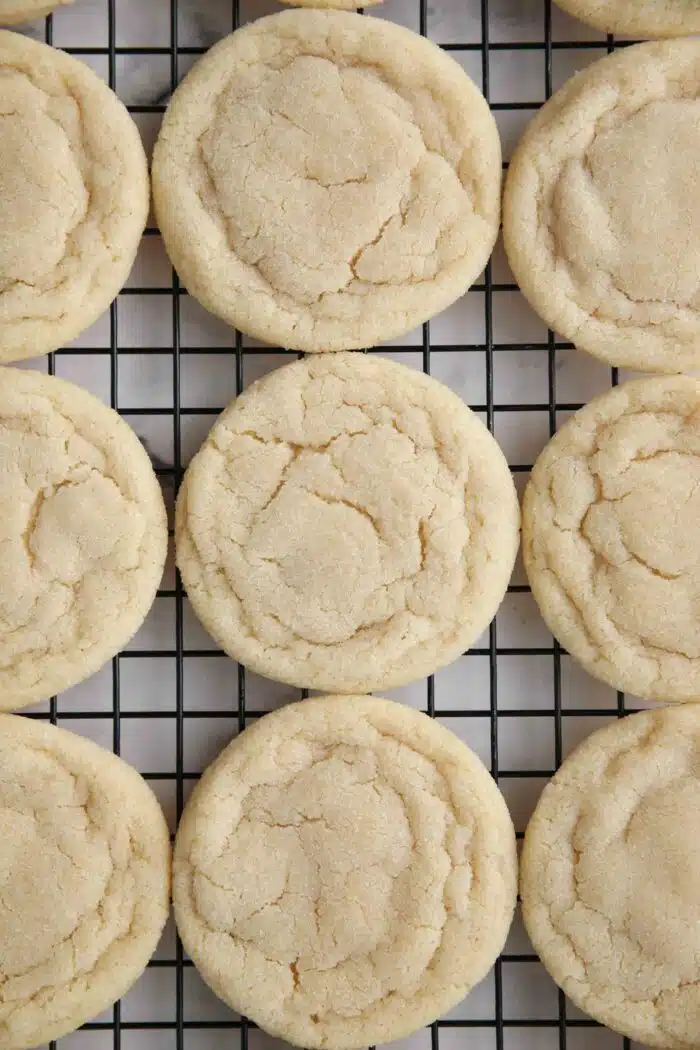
(515, 697)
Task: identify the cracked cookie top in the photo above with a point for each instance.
(344, 872)
(83, 535)
(601, 214)
(327, 181)
(610, 877)
(84, 880)
(348, 525)
(609, 537)
(73, 196)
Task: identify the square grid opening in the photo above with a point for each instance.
(171, 700)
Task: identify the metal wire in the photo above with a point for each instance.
(499, 1028)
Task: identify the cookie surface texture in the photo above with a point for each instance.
(601, 213)
(609, 525)
(73, 197)
(344, 872)
(327, 181)
(83, 535)
(640, 18)
(13, 12)
(85, 876)
(610, 877)
(348, 525)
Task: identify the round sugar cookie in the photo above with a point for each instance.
(73, 196)
(85, 877)
(645, 18)
(83, 535)
(340, 5)
(13, 12)
(610, 877)
(348, 525)
(344, 872)
(327, 181)
(610, 537)
(601, 214)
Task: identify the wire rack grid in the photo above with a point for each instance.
(171, 700)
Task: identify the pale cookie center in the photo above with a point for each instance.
(629, 213)
(42, 197)
(295, 875)
(371, 530)
(341, 874)
(321, 178)
(54, 873)
(639, 932)
(643, 534)
(300, 533)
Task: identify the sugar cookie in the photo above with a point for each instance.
(348, 525)
(602, 215)
(340, 5)
(609, 537)
(85, 879)
(327, 181)
(15, 11)
(645, 18)
(344, 872)
(83, 535)
(610, 877)
(73, 196)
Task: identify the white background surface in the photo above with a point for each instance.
(519, 704)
